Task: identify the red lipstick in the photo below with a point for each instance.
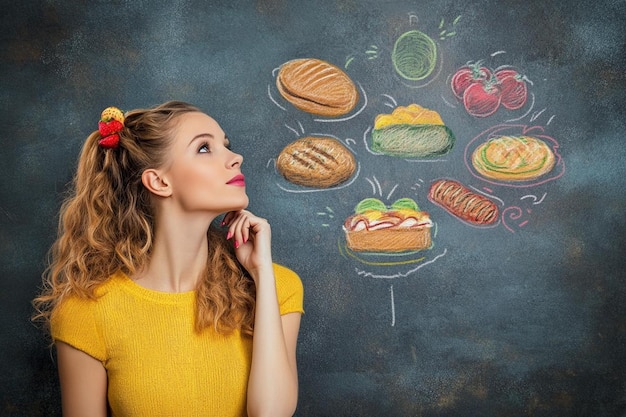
(237, 180)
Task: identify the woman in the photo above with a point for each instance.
(153, 309)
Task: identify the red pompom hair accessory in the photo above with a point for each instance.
(110, 125)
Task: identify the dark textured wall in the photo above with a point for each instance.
(526, 318)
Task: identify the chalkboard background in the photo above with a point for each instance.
(524, 319)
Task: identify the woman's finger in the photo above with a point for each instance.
(228, 217)
(239, 227)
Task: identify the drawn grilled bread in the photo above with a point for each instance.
(316, 162)
(411, 131)
(463, 203)
(317, 87)
(513, 158)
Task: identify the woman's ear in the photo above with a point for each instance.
(156, 183)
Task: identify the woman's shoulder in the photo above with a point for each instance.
(78, 318)
(289, 288)
(84, 300)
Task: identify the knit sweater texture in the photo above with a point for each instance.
(156, 364)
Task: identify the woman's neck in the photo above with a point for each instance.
(178, 258)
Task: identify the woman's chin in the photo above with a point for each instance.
(244, 204)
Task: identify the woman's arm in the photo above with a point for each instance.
(83, 383)
(273, 381)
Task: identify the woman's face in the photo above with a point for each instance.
(204, 174)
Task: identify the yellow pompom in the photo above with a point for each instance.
(112, 113)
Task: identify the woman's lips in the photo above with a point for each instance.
(237, 180)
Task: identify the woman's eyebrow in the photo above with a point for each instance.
(201, 135)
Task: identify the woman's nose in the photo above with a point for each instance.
(237, 160)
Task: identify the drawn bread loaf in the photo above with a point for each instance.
(316, 162)
(463, 203)
(317, 87)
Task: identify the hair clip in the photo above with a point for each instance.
(110, 124)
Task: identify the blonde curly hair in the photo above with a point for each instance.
(106, 225)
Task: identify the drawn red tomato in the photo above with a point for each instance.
(482, 99)
(505, 72)
(513, 89)
(466, 76)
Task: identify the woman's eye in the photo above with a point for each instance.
(204, 148)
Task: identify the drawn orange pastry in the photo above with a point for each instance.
(513, 158)
(374, 227)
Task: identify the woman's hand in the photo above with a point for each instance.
(252, 237)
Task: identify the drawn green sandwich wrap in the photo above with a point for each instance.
(411, 132)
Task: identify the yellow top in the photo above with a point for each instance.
(157, 365)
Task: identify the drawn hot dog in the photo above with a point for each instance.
(463, 203)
